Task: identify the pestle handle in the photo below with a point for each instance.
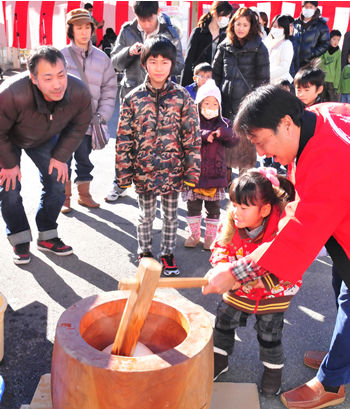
(137, 307)
(169, 282)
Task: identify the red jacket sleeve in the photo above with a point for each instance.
(322, 208)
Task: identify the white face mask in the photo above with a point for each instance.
(308, 13)
(209, 113)
(277, 33)
(223, 21)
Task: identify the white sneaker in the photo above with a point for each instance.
(115, 193)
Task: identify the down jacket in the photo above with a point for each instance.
(237, 71)
(134, 74)
(100, 75)
(252, 60)
(311, 39)
(231, 64)
(26, 122)
(158, 141)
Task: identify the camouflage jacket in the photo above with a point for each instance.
(158, 140)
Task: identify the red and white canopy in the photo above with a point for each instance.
(28, 24)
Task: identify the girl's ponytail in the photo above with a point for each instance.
(285, 192)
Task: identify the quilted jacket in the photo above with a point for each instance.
(237, 71)
(100, 74)
(312, 39)
(158, 141)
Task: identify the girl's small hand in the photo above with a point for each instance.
(217, 133)
(210, 138)
(236, 286)
(220, 279)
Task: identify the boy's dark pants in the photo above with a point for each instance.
(329, 93)
(268, 326)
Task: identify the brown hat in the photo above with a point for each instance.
(78, 16)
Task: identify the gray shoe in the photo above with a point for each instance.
(115, 194)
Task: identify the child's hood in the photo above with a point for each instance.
(209, 89)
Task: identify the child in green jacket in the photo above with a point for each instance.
(331, 65)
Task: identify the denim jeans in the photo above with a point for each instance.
(345, 98)
(51, 200)
(83, 165)
(335, 367)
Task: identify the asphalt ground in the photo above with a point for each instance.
(105, 245)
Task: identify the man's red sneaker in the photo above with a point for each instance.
(21, 253)
(55, 246)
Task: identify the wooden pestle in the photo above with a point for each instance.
(137, 307)
(170, 282)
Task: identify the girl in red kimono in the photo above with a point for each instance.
(258, 198)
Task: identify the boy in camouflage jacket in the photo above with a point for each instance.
(158, 147)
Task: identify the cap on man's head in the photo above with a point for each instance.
(88, 6)
(78, 16)
(314, 3)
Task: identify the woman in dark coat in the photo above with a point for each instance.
(241, 64)
(210, 31)
(311, 35)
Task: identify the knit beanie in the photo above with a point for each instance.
(209, 89)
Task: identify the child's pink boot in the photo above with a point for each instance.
(194, 226)
(210, 232)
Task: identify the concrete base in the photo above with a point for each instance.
(226, 395)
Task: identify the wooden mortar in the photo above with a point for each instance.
(178, 376)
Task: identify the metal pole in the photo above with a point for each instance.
(17, 33)
(44, 31)
(15, 53)
(194, 18)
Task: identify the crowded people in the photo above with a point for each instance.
(177, 140)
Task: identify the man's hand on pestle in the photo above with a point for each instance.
(220, 280)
